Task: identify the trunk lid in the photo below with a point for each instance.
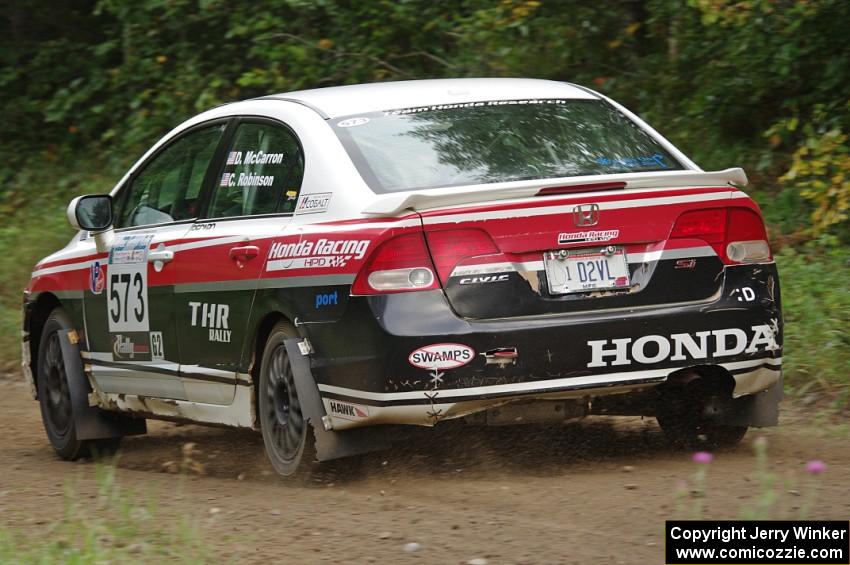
(568, 252)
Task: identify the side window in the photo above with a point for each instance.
(168, 188)
(262, 173)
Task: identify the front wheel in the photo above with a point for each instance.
(54, 396)
(287, 436)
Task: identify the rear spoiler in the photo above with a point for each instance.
(393, 204)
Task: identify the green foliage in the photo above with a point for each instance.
(736, 67)
(821, 169)
(816, 305)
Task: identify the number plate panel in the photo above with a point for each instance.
(127, 284)
(586, 270)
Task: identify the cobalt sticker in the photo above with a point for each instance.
(441, 356)
(313, 203)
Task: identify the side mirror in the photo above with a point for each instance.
(92, 212)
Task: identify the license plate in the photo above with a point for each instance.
(584, 271)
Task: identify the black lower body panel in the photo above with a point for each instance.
(408, 358)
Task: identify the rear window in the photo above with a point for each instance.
(496, 141)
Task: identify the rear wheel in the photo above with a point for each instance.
(54, 394)
(287, 436)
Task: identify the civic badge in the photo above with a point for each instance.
(586, 215)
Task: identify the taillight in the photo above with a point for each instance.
(449, 247)
(737, 235)
(746, 238)
(707, 225)
(400, 264)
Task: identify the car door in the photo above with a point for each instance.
(254, 192)
(129, 307)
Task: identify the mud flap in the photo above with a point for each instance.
(758, 410)
(329, 444)
(91, 422)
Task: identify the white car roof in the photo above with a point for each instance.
(336, 101)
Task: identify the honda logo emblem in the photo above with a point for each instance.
(586, 215)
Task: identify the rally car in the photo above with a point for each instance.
(326, 265)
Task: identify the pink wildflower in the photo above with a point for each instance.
(815, 467)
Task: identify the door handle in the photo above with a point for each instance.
(159, 257)
(163, 255)
(243, 253)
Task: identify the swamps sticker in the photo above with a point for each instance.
(441, 356)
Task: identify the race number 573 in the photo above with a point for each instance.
(127, 279)
(128, 299)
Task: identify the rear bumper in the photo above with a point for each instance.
(362, 367)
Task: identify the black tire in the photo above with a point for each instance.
(288, 437)
(690, 431)
(54, 395)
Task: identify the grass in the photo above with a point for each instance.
(24, 239)
(816, 305)
(32, 225)
(116, 527)
(791, 496)
(815, 283)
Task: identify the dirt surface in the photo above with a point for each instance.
(598, 491)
